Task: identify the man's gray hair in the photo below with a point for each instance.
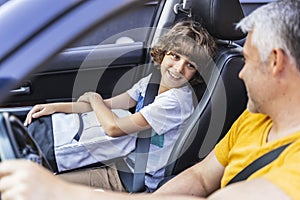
(275, 25)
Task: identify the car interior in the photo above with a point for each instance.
(225, 96)
(220, 101)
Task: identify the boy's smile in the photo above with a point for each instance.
(176, 70)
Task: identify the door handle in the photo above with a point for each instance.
(21, 90)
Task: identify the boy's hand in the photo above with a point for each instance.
(38, 111)
(88, 97)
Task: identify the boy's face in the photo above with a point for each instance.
(176, 70)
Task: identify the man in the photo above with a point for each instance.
(272, 78)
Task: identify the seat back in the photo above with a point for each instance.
(225, 96)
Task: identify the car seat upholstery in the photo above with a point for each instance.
(225, 96)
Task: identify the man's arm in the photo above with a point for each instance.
(258, 189)
(200, 180)
(21, 179)
(203, 180)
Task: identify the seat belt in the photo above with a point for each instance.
(258, 164)
(144, 137)
(135, 182)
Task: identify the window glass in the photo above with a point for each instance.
(119, 27)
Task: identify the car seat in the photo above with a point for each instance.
(225, 97)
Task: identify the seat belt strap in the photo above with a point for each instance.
(144, 137)
(258, 164)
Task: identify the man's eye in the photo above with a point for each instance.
(243, 58)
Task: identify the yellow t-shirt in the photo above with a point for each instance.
(247, 140)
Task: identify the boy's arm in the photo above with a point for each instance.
(111, 123)
(122, 101)
(40, 110)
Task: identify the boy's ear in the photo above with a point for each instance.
(276, 60)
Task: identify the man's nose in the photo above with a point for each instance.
(241, 73)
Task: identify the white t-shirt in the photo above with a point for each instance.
(165, 115)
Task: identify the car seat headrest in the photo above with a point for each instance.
(219, 17)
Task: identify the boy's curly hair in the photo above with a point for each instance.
(190, 39)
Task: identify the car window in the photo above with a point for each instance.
(250, 5)
(117, 29)
(108, 58)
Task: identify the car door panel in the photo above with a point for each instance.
(99, 67)
(77, 70)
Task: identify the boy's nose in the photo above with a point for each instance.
(179, 66)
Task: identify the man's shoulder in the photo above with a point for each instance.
(249, 124)
(248, 116)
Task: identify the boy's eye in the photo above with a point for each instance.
(191, 66)
(174, 55)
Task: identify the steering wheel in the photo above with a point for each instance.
(16, 142)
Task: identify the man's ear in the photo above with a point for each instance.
(276, 61)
